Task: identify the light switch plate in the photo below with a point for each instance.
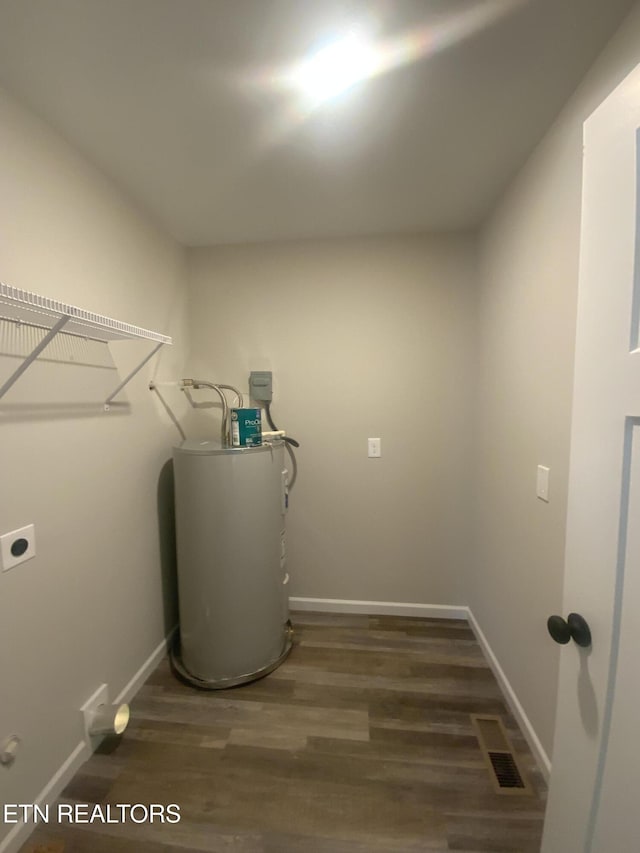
(17, 546)
(542, 483)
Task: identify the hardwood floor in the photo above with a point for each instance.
(360, 742)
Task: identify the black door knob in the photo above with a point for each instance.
(575, 628)
(558, 629)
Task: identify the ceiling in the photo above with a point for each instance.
(182, 104)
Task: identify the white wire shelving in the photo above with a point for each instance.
(54, 317)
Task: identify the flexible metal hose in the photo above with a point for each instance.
(235, 391)
(202, 383)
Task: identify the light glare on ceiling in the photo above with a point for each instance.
(336, 68)
(357, 56)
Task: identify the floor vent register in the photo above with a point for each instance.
(506, 772)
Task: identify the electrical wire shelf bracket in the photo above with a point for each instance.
(40, 312)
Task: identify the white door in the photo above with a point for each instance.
(594, 797)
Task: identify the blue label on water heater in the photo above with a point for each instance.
(246, 427)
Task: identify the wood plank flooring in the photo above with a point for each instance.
(361, 742)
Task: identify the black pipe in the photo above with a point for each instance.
(292, 441)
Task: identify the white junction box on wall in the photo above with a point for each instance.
(17, 546)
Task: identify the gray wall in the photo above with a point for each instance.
(529, 277)
(365, 338)
(93, 604)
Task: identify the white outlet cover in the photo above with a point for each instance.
(8, 540)
(374, 448)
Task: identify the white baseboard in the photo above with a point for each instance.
(58, 782)
(138, 679)
(65, 773)
(516, 708)
(379, 608)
